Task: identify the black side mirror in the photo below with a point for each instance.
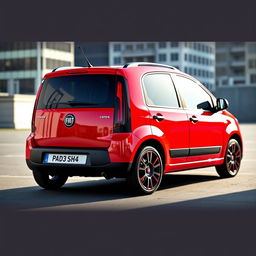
(205, 105)
(222, 104)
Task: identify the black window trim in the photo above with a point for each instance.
(154, 106)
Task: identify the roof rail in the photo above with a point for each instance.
(64, 68)
(137, 64)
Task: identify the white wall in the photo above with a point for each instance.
(16, 111)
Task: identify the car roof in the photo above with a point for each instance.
(141, 67)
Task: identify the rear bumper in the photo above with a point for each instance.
(98, 161)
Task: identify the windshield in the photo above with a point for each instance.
(85, 91)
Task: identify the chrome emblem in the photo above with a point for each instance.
(69, 120)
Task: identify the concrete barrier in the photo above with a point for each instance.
(16, 111)
(242, 101)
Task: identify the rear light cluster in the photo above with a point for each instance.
(122, 121)
(34, 110)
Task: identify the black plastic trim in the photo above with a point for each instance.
(184, 152)
(204, 151)
(181, 152)
(119, 170)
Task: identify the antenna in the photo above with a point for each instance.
(88, 62)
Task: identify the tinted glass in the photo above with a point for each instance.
(191, 92)
(79, 91)
(159, 91)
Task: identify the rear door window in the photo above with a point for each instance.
(78, 91)
(159, 91)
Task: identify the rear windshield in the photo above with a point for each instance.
(78, 91)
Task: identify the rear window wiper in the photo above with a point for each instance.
(74, 103)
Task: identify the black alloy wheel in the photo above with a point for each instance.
(232, 160)
(147, 171)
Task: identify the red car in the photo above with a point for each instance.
(138, 121)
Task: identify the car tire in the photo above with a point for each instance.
(47, 181)
(146, 172)
(232, 160)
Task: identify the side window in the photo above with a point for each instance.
(159, 91)
(191, 92)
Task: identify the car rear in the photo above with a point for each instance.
(76, 114)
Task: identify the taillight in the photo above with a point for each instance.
(119, 95)
(122, 110)
(34, 110)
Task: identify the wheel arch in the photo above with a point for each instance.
(237, 137)
(154, 143)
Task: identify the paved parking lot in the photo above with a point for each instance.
(199, 189)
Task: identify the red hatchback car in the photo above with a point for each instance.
(138, 121)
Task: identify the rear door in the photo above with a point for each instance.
(169, 120)
(76, 111)
(206, 127)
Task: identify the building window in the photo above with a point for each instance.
(151, 46)
(129, 47)
(117, 47)
(3, 85)
(199, 72)
(140, 46)
(59, 46)
(162, 57)
(117, 60)
(190, 58)
(53, 63)
(162, 44)
(194, 58)
(174, 56)
(185, 56)
(26, 86)
(18, 64)
(174, 44)
(186, 70)
(15, 46)
(252, 63)
(253, 78)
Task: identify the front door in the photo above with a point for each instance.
(206, 128)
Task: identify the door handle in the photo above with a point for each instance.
(193, 119)
(158, 117)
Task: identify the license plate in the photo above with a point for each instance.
(65, 159)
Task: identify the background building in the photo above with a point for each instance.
(235, 64)
(96, 52)
(22, 64)
(194, 58)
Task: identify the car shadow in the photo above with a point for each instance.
(74, 193)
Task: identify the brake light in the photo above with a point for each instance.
(34, 110)
(122, 110)
(119, 96)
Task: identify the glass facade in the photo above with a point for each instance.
(17, 64)
(19, 69)
(15, 46)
